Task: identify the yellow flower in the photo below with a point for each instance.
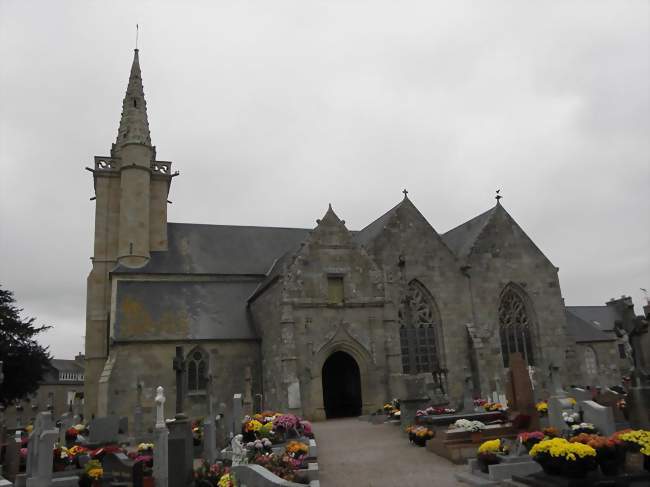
(225, 480)
(253, 425)
(96, 473)
(572, 401)
(490, 446)
(559, 447)
(542, 407)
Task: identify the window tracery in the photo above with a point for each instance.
(515, 327)
(417, 318)
(197, 368)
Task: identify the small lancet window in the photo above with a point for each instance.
(197, 367)
(135, 103)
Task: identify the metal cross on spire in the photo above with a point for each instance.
(498, 196)
(405, 193)
(137, 31)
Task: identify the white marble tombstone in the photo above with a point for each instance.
(40, 451)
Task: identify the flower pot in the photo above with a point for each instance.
(148, 482)
(420, 441)
(484, 462)
(610, 467)
(633, 461)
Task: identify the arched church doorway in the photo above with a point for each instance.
(341, 386)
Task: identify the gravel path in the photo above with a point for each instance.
(359, 454)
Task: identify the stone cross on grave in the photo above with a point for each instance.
(40, 451)
(179, 367)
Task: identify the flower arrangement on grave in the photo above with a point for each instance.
(635, 440)
(92, 475)
(434, 411)
(393, 409)
(570, 417)
(215, 475)
(60, 459)
(471, 426)
(419, 435)
(542, 408)
(260, 446)
(551, 432)
(610, 452)
(280, 465)
(494, 406)
(488, 454)
(586, 428)
(558, 456)
(71, 434)
(480, 402)
(572, 401)
(98, 453)
(197, 432)
(529, 439)
(296, 451)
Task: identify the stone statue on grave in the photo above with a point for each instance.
(160, 407)
(238, 451)
(632, 332)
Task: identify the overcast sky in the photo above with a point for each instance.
(272, 110)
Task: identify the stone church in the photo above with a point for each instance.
(322, 322)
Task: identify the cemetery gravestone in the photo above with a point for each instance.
(67, 422)
(40, 451)
(602, 417)
(248, 391)
(522, 399)
(181, 451)
(160, 452)
(237, 414)
(12, 457)
(105, 430)
(556, 406)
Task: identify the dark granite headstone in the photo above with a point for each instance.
(180, 451)
(104, 430)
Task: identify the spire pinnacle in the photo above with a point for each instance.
(134, 125)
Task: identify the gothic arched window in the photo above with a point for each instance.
(197, 370)
(418, 320)
(515, 327)
(591, 362)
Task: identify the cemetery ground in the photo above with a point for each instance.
(359, 453)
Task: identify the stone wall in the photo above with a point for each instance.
(504, 256)
(150, 364)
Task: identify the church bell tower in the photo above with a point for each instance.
(131, 190)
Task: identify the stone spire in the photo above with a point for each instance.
(134, 125)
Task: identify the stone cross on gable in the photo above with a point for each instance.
(179, 367)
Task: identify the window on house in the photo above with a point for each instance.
(591, 363)
(197, 370)
(335, 289)
(515, 327)
(418, 321)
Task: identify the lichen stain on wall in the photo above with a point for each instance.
(138, 322)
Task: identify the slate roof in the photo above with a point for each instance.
(583, 331)
(63, 365)
(601, 316)
(220, 249)
(374, 229)
(167, 310)
(462, 238)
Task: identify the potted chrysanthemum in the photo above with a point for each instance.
(558, 456)
(488, 454)
(637, 442)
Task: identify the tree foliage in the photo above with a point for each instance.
(25, 361)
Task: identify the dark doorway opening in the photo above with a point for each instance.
(341, 386)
